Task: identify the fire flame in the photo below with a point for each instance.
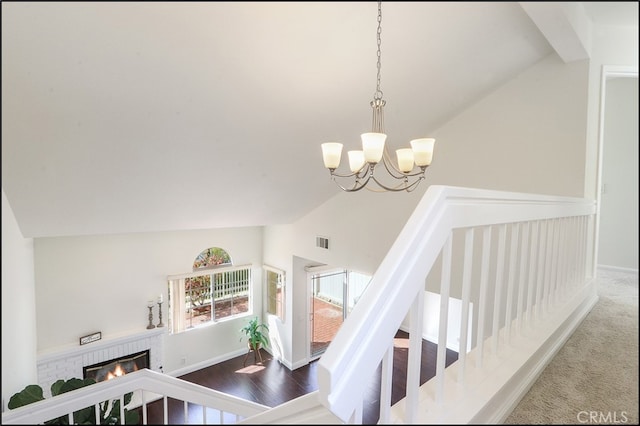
(117, 372)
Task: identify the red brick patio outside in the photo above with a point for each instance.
(327, 319)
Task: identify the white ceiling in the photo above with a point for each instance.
(142, 116)
(617, 13)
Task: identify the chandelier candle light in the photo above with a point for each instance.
(363, 163)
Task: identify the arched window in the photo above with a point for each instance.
(211, 257)
(214, 291)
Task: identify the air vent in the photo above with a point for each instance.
(322, 242)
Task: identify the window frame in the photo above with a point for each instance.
(282, 281)
(178, 297)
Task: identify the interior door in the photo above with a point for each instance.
(326, 308)
(334, 294)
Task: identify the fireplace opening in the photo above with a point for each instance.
(117, 367)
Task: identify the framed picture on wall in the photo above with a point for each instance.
(90, 338)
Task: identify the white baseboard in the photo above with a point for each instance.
(617, 269)
(493, 391)
(207, 363)
(298, 364)
(212, 361)
(520, 383)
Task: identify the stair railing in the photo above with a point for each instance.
(151, 386)
(515, 287)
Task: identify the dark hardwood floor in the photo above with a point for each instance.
(271, 383)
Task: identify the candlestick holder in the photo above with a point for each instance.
(160, 324)
(150, 326)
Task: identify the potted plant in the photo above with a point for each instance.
(255, 337)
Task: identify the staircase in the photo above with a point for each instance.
(523, 261)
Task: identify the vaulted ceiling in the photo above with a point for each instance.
(143, 116)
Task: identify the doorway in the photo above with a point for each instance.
(333, 295)
(617, 240)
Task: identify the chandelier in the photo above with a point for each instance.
(411, 162)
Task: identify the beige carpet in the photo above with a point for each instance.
(593, 379)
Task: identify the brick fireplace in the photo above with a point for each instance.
(116, 367)
(73, 361)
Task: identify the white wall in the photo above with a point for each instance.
(527, 136)
(18, 308)
(102, 283)
(611, 46)
(618, 244)
(431, 321)
(277, 253)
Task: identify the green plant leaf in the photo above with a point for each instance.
(254, 333)
(30, 394)
(61, 386)
(56, 387)
(131, 417)
(85, 416)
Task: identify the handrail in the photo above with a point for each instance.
(362, 341)
(146, 380)
(305, 409)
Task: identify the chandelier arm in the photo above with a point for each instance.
(334, 174)
(357, 185)
(373, 189)
(358, 175)
(419, 172)
(415, 184)
(406, 187)
(393, 171)
(388, 164)
(402, 175)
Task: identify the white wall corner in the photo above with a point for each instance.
(565, 25)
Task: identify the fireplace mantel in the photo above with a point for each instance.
(103, 343)
(67, 362)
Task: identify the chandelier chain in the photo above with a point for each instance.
(378, 93)
(378, 103)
